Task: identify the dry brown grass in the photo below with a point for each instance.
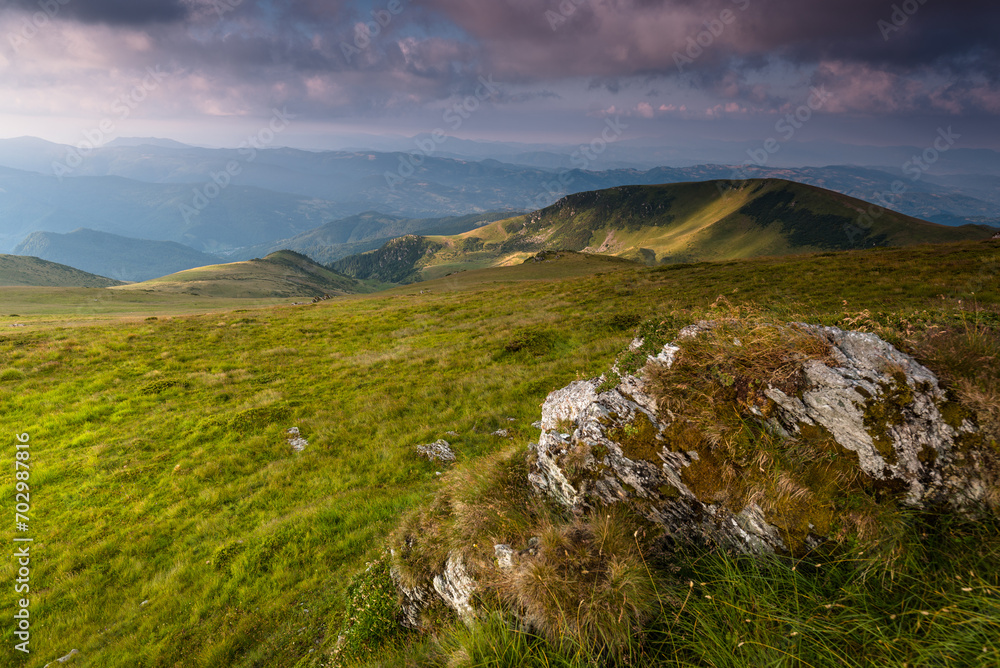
(588, 582)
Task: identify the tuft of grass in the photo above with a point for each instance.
(475, 508)
(531, 342)
(499, 642)
(254, 419)
(587, 582)
(8, 375)
(935, 607)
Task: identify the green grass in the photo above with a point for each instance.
(160, 470)
(940, 606)
(46, 307)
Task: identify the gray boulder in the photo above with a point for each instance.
(439, 450)
(862, 418)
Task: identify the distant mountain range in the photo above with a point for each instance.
(672, 223)
(128, 259)
(683, 222)
(239, 216)
(222, 200)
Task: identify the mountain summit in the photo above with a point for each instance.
(682, 222)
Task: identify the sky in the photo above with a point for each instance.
(212, 72)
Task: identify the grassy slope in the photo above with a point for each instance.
(688, 222)
(280, 274)
(160, 471)
(18, 270)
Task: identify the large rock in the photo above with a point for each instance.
(760, 438)
(857, 419)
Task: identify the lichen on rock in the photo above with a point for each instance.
(438, 450)
(456, 587)
(756, 437)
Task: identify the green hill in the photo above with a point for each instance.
(281, 274)
(20, 270)
(682, 222)
(366, 231)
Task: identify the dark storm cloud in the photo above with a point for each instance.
(891, 55)
(111, 12)
(616, 32)
(897, 56)
(903, 33)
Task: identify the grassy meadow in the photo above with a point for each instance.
(174, 525)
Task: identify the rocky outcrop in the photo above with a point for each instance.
(438, 450)
(881, 405)
(295, 439)
(756, 437)
(412, 601)
(455, 587)
(875, 418)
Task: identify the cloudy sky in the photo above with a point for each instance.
(210, 71)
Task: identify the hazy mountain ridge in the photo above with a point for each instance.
(118, 257)
(239, 216)
(365, 231)
(158, 191)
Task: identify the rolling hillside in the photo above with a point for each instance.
(281, 274)
(18, 270)
(682, 222)
(365, 231)
(119, 257)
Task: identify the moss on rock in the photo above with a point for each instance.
(638, 439)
